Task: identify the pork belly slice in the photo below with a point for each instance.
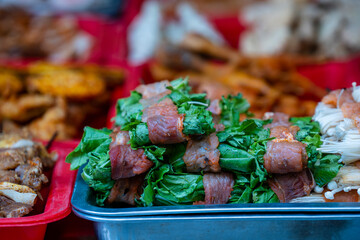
(218, 188)
(292, 185)
(284, 132)
(165, 107)
(12, 209)
(126, 190)
(166, 129)
(285, 156)
(279, 119)
(127, 162)
(150, 90)
(203, 155)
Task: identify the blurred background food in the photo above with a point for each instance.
(48, 99)
(268, 83)
(322, 29)
(25, 35)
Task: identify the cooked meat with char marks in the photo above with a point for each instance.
(214, 107)
(278, 119)
(332, 97)
(11, 158)
(166, 129)
(292, 185)
(285, 156)
(150, 90)
(218, 188)
(119, 137)
(165, 107)
(31, 175)
(154, 99)
(284, 132)
(126, 190)
(12, 209)
(8, 176)
(125, 161)
(203, 155)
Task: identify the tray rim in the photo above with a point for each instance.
(82, 207)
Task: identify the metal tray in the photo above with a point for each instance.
(227, 221)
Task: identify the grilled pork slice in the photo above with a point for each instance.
(30, 174)
(12, 209)
(203, 155)
(278, 119)
(126, 190)
(166, 129)
(151, 90)
(8, 176)
(11, 158)
(125, 161)
(218, 187)
(285, 157)
(292, 185)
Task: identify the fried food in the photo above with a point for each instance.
(46, 99)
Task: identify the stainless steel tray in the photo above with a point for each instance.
(228, 221)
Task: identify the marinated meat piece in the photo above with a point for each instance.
(214, 107)
(11, 158)
(126, 162)
(8, 176)
(31, 175)
(153, 89)
(284, 132)
(166, 129)
(11, 209)
(219, 127)
(332, 97)
(119, 137)
(126, 190)
(350, 109)
(164, 108)
(218, 188)
(285, 156)
(279, 119)
(203, 155)
(154, 99)
(292, 185)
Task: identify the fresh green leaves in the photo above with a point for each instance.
(242, 148)
(93, 150)
(128, 109)
(93, 140)
(97, 174)
(231, 108)
(235, 159)
(198, 120)
(244, 192)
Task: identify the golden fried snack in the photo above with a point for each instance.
(9, 84)
(68, 83)
(25, 107)
(53, 121)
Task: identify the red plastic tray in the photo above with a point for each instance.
(57, 201)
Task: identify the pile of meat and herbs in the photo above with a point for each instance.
(22, 173)
(172, 147)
